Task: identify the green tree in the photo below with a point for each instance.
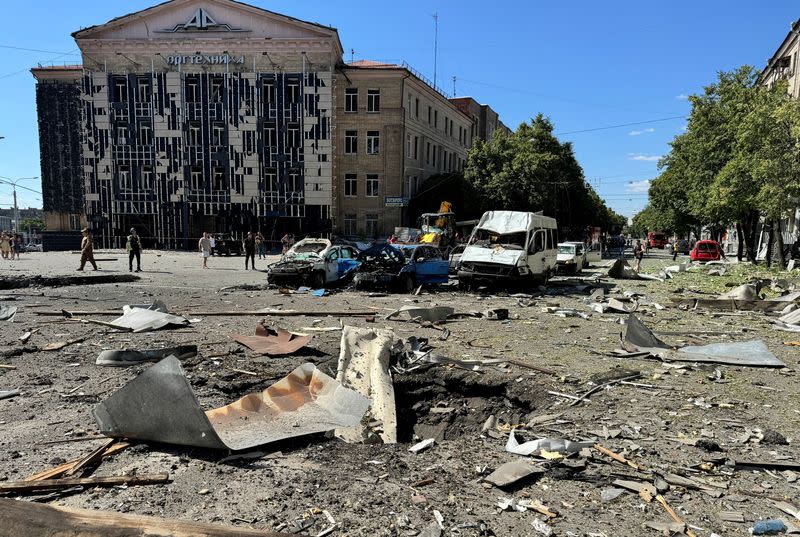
(531, 170)
(34, 224)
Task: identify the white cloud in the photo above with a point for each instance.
(643, 131)
(682, 97)
(645, 158)
(638, 186)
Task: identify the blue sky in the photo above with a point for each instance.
(585, 64)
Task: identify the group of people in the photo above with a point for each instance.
(133, 245)
(10, 245)
(251, 243)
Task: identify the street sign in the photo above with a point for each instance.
(396, 201)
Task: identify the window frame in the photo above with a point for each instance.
(373, 143)
(350, 185)
(351, 98)
(373, 101)
(351, 142)
(372, 185)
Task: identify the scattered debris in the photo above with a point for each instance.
(147, 317)
(769, 527)
(127, 357)
(432, 314)
(422, 446)
(8, 394)
(7, 313)
(364, 367)
(748, 353)
(512, 472)
(20, 282)
(25, 487)
(29, 518)
(535, 447)
(159, 406)
(271, 342)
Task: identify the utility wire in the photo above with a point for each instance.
(36, 50)
(622, 125)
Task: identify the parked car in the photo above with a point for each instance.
(571, 257)
(402, 267)
(510, 246)
(455, 258)
(706, 251)
(314, 262)
(225, 244)
(33, 247)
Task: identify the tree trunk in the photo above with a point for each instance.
(740, 247)
(779, 245)
(749, 228)
(770, 241)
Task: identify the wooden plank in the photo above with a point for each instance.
(89, 459)
(26, 518)
(22, 487)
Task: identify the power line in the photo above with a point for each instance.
(35, 50)
(621, 125)
(28, 68)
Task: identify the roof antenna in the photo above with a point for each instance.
(454, 85)
(435, 45)
(352, 55)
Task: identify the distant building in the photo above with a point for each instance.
(394, 129)
(783, 65)
(485, 121)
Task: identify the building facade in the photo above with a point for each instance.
(213, 115)
(485, 121)
(58, 104)
(206, 116)
(393, 131)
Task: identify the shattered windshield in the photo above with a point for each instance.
(408, 253)
(566, 249)
(488, 239)
(309, 248)
(382, 255)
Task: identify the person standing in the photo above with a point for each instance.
(213, 243)
(204, 245)
(87, 249)
(134, 248)
(285, 243)
(675, 247)
(261, 246)
(5, 245)
(249, 244)
(16, 245)
(638, 253)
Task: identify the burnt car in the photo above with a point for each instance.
(314, 262)
(225, 244)
(402, 267)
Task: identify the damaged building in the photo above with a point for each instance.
(213, 115)
(199, 116)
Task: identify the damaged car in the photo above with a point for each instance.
(403, 267)
(315, 263)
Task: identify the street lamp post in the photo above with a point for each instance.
(13, 183)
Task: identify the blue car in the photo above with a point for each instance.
(403, 266)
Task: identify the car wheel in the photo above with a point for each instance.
(317, 280)
(407, 284)
(464, 284)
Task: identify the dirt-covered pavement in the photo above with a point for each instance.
(681, 426)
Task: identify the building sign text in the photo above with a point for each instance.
(203, 59)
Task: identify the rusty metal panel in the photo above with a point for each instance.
(159, 406)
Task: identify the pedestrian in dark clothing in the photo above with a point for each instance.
(134, 248)
(249, 244)
(638, 253)
(87, 250)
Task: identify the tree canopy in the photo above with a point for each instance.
(738, 159)
(531, 170)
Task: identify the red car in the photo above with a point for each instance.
(706, 251)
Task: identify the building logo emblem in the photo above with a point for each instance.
(202, 21)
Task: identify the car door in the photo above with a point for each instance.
(429, 265)
(347, 261)
(593, 254)
(332, 265)
(537, 255)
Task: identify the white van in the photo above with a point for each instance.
(510, 246)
